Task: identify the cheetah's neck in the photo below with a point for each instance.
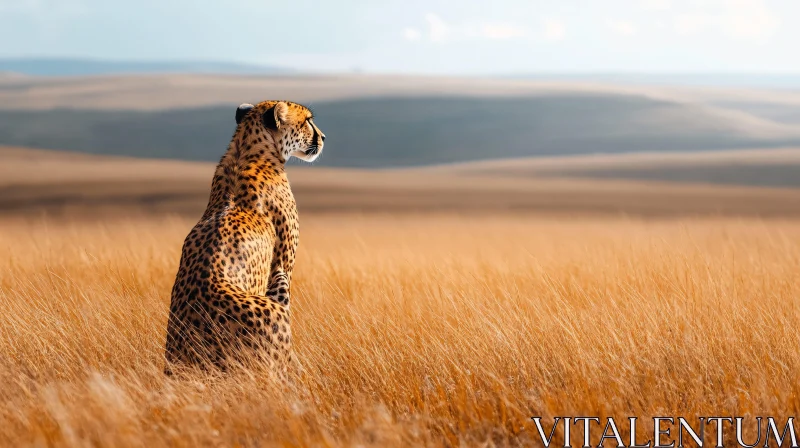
(249, 176)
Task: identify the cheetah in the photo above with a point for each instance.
(230, 300)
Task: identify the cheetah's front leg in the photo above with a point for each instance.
(279, 292)
(279, 287)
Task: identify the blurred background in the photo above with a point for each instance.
(643, 108)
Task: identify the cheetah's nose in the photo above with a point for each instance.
(322, 136)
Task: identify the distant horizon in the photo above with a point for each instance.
(293, 70)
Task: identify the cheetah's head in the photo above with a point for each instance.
(291, 126)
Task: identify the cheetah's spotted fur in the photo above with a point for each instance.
(231, 293)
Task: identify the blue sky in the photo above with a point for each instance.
(415, 36)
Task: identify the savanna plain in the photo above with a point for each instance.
(437, 329)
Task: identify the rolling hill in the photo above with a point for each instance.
(35, 182)
(774, 167)
(414, 131)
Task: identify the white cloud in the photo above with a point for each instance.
(739, 19)
(689, 24)
(554, 29)
(749, 19)
(412, 34)
(438, 29)
(621, 27)
(657, 5)
(502, 31)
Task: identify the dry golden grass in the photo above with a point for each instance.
(411, 330)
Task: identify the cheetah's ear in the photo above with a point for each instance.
(241, 111)
(275, 116)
